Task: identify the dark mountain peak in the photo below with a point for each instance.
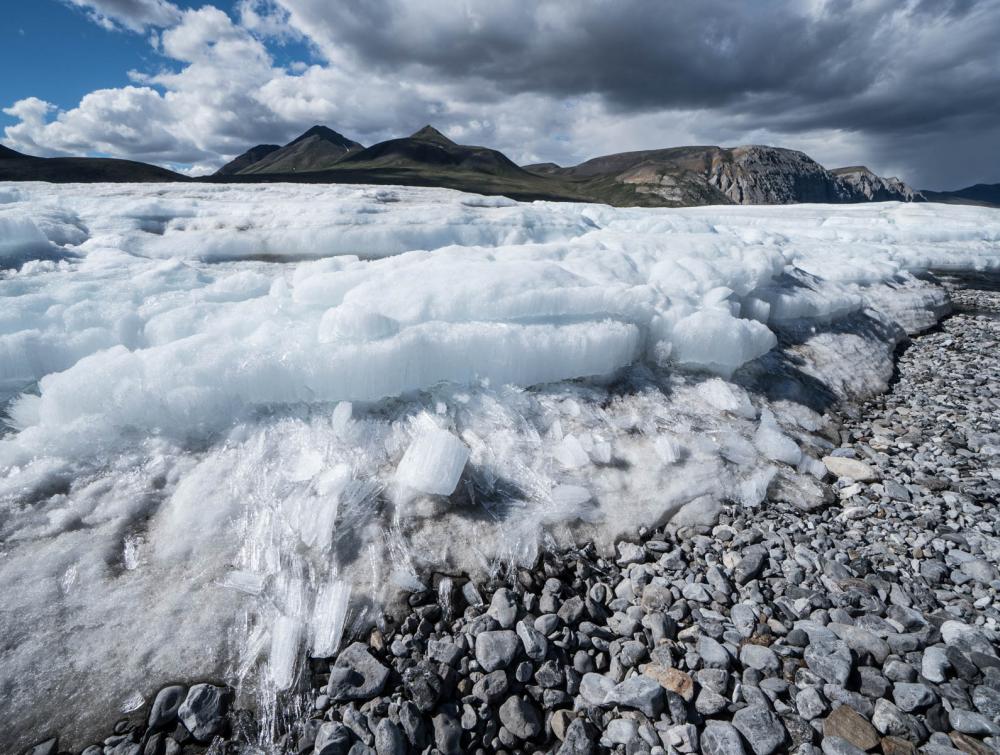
(248, 158)
(327, 135)
(319, 148)
(8, 154)
(430, 134)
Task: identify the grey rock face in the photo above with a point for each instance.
(356, 674)
(521, 717)
(202, 711)
(580, 739)
(167, 702)
(761, 658)
(721, 738)
(909, 696)
(332, 739)
(503, 608)
(761, 728)
(496, 650)
(389, 739)
(639, 692)
(447, 734)
(831, 660)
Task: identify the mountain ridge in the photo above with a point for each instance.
(668, 177)
(318, 148)
(16, 166)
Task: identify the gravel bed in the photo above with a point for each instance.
(869, 625)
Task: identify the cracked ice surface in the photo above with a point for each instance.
(241, 418)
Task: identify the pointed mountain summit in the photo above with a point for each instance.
(319, 148)
(323, 133)
(428, 151)
(248, 158)
(430, 134)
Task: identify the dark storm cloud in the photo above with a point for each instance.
(907, 86)
(646, 54)
(873, 67)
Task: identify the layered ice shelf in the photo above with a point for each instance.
(282, 404)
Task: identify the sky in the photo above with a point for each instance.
(906, 87)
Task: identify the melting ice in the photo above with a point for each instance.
(241, 419)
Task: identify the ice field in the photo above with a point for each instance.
(240, 418)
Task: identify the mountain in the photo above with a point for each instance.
(319, 148)
(673, 177)
(429, 149)
(862, 185)
(15, 166)
(6, 153)
(248, 158)
(755, 174)
(425, 158)
(986, 195)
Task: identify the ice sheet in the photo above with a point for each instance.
(215, 392)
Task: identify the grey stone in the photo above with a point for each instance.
(862, 641)
(934, 665)
(853, 469)
(580, 739)
(969, 722)
(423, 686)
(572, 610)
(713, 654)
(547, 623)
(909, 696)
(639, 692)
(721, 738)
(744, 618)
(683, 738)
(48, 747)
(444, 651)
(521, 717)
(839, 746)
(496, 650)
(890, 720)
(761, 728)
(165, 706)
(332, 739)
(503, 608)
(810, 703)
(389, 740)
(356, 675)
(761, 658)
(203, 710)
(966, 638)
(987, 701)
(594, 688)
(656, 597)
(447, 734)
(535, 645)
(621, 731)
(751, 564)
(831, 660)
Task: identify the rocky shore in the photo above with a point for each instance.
(867, 626)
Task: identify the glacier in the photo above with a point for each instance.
(239, 420)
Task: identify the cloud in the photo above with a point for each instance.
(911, 86)
(134, 15)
